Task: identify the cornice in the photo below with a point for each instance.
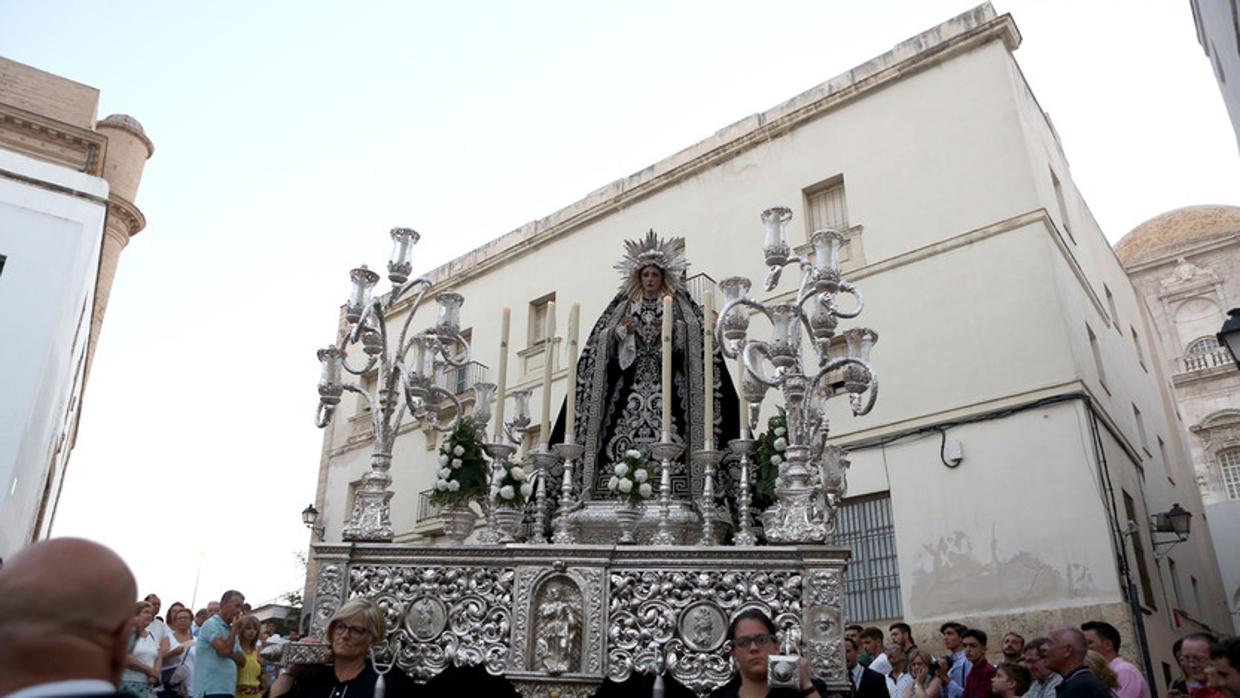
(127, 214)
(48, 139)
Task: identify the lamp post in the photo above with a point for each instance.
(408, 369)
(309, 516)
(1177, 520)
(1229, 335)
(801, 513)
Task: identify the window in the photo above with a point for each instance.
(872, 584)
(538, 319)
(1136, 342)
(1205, 345)
(1111, 306)
(1138, 551)
(1162, 453)
(1136, 416)
(1229, 464)
(1175, 584)
(1093, 347)
(1192, 581)
(825, 206)
(2, 259)
(1063, 207)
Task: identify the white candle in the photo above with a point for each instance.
(544, 424)
(502, 394)
(570, 422)
(667, 368)
(708, 370)
(740, 392)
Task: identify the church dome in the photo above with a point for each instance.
(1168, 232)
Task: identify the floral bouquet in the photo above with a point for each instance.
(631, 483)
(770, 458)
(462, 475)
(511, 486)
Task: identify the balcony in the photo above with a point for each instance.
(427, 510)
(461, 380)
(1202, 360)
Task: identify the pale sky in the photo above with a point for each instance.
(289, 137)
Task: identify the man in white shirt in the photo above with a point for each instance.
(66, 616)
(1044, 680)
(899, 681)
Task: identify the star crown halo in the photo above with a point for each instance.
(668, 255)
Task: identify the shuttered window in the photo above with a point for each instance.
(827, 208)
(872, 585)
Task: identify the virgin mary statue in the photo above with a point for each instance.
(619, 373)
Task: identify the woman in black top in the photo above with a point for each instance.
(753, 639)
(352, 631)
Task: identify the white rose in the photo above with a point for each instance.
(517, 473)
(444, 473)
(458, 451)
(507, 492)
(526, 490)
(622, 469)
(781, 444)
(454, 485)
(494, 492)
(441, 485)
(780, 431)
(645, 491)
(632, 453)
(443, 459)
(626, 485)
(456, 462)
(611, 484)
(776, 460)
(641, 475)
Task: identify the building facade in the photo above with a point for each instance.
(1007, 325)
(1185, 264)
(67, 189)
(1218, 31)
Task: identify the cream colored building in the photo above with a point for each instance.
(1186, 266)
(67, 189)
(1218, 31)
(1006, 322)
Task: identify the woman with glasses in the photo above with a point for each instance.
(753, 638)
(352, 631)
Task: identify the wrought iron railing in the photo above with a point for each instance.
(427, 509)
(697, 284)
(462, 379)
(1197, 361)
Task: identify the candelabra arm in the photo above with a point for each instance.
(719, 338)
(871, 386)
(402, 347)
(432, 413)
(751, 363)
(851, 290)
(323, 415)
(344, 363)
(454, 338)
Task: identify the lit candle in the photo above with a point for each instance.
(503, 374)
(544, 424)
(708, 370)
(667, 368)
(574, 322)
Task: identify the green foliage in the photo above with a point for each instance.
(512, 486)
(769, 456)
(462, 475)
(634, 474)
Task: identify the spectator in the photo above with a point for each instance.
(926, 683)
(1097, 665)
(144, 658)
(213, 607)
(1013, 648)
(168, 618)
(251, 681)
(902, 634)
(1044, 680)
(958, 665)
(272, 632)
(359, 625)
(1195, 658)
(872, 651)
(866, 683)
(66, 616)
(1180, 685)
(854, 631)
(293, 635)
(899, 681)
(199, 619)
(180, 640)
(1226, 659)
(156, 604)
(1104, 639)
(1065, 651)
(977, 685)
(1011, 680)
(218, 652)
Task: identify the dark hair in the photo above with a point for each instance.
(148, 597)
(854, 626)
(902, 627)
(1036, 644)
(872, 633)
(1018, 674)
(1104, 630)
(1228, 649)
(1175, 649)
(976, 634)
(1210, 639)
(751, 614)
(851, 641)
(952, 625)
(230, 595)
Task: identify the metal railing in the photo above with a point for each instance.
(1198, 361)
(697, 284)
(460, 380)
(427, 509)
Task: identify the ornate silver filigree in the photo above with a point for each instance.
(328, 590)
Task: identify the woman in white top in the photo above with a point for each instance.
(142, 664)
(180, 639)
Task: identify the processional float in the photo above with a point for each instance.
(557, 601)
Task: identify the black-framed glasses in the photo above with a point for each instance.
(746, 641)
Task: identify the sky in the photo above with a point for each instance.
(289, 137)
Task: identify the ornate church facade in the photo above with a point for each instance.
(1025, 420)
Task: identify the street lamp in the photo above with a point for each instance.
(1175, 520)
(309, 516)
(1229, 336)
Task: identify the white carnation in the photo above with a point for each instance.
(517, 473)
(526, 490)
(641, 475)
(507, 492)
(781, 444)
(622, 469)
(780, 431)
(457, 462)
(443, 459)
(776, 460)
(612, 483)
(444, 473)
(441, 485)
(645, 490)
(626, 485)
(458, 451)
(454, 485)
(632, 453)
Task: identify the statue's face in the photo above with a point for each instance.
(652, 281)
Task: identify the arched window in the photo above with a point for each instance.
(1204, 352)
(1229, 464)
(1204, 345)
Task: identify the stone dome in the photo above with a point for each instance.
(126, 122)
(1169, 232)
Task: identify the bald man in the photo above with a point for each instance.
(66, 614)
(1065, 651)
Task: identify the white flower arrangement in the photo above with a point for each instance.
(630, 481)
(511, 486)
(781, 444)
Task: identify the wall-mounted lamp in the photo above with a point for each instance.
(1177, 520)
(309, 516)
(1229, 335)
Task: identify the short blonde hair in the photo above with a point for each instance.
(370, 611)
(142, 606)
(1101, 669)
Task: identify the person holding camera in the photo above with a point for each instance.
(754, 639)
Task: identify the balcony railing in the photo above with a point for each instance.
(460, 380)
(1201, 360)
(427, 510)
(697, 284)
